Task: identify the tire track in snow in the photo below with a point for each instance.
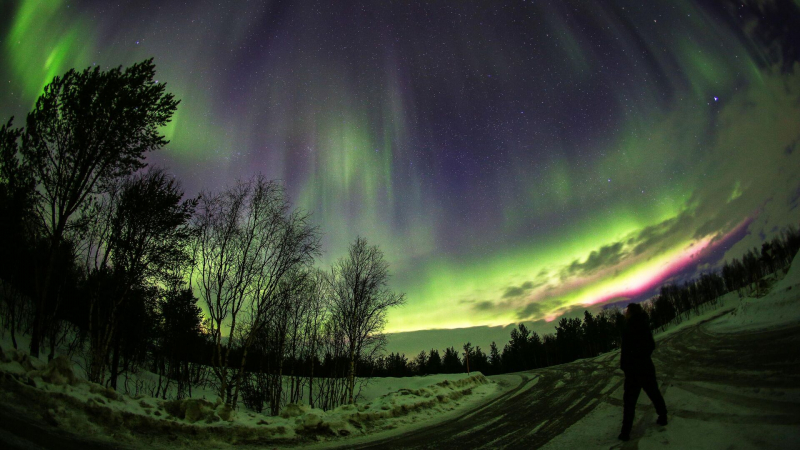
(539, 409)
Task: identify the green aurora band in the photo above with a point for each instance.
(512, 167)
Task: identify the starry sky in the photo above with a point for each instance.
(515, 160)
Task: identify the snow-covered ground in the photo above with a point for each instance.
(730, 377)
(55, 394)
(779, 308)
(743, 405)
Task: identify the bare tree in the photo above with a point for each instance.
(317, 314)
(360, 300)
(248, 240)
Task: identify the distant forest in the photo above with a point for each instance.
(575, 338)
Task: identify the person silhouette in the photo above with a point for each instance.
(640, 373)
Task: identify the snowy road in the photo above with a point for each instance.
(738, 379)
(735, 390)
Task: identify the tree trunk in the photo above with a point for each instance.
(14, 322)
(219, 370)
(351, 375)
(311, 385)
(53, 338)
(239, 378)
(39, 315)
(276, 401)
(115, 363)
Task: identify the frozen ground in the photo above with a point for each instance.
(730, 376)
(49, 406)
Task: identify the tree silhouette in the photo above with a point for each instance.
(495, 363)
(249, 245)
(421, 363)
(87, 129)
(180, 336)
(137, 237)
(361, 299)
(17, 225)
(451, 363)
(434, 362)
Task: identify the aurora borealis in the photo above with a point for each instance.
(515, 160)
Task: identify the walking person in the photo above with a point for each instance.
(640, 373)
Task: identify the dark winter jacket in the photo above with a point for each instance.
(637, 346)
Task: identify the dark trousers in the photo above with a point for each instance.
(635, 381)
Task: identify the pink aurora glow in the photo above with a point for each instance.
(650, 280)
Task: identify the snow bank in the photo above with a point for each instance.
(779, 308)
(59, 397)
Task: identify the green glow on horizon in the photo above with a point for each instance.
(350, 139)
(448, 283)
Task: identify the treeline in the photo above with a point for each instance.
(105, 258)
(575, 338)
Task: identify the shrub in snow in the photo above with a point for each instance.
(108, 393)
(191, 410)
(293, 410)
(337, 426)
(199, 409)
(59, 372)
(225, 412)
(312, 421)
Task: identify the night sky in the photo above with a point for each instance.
(515, 160)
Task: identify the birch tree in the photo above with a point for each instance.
(360, 300)
(249, 238)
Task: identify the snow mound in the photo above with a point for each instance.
(358, 419)
(21, 362)
(59, 372)
(192, 410)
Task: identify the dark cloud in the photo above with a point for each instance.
(513, 291)
(608, 255)
(536, 311)
(483, 306)
(531, 310)
(517, 291)
(718, 226)
(661, 234)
